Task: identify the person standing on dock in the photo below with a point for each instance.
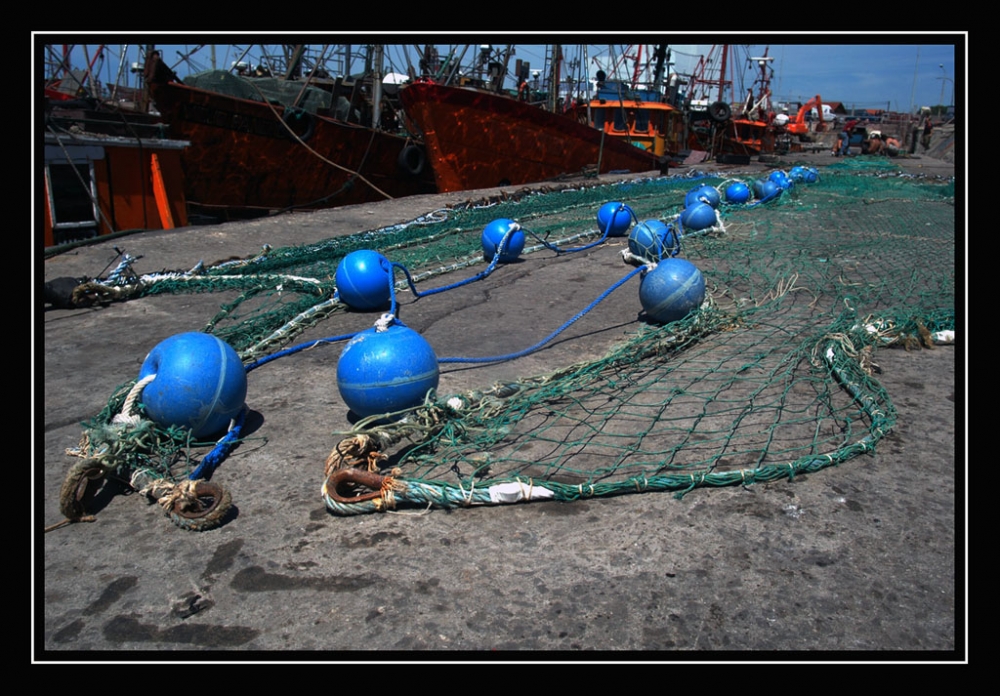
(844, 146)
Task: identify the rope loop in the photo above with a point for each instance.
(126, 417)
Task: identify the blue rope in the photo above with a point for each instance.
(501, 249)
(221, 450)
(433, 291)
(296, 349)
(590, 245)
(526, 351)
(767, 199)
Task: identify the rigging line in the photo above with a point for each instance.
(312, 73)
(303, 144)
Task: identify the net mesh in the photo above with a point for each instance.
(774, 375)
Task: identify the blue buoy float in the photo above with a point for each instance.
(781, 179)
(493, 236)
(672, 290)
(811, 175)
(614, 219)
(703, 194)
(699, 216)
(766, 190)
(653, 240)
(737, 192)
(363, 280)
(384, 370)
(200, 383)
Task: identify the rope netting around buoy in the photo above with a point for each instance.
(773, 375)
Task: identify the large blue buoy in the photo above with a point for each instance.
(653, 240)
(387, 370)
(703, 194)
(363, 279)
(200, 383)
(672, 290)
(493, 236)
(737, 192)
(699, 216)
(614, 219)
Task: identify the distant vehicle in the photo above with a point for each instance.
(828, 115)
(813, 107)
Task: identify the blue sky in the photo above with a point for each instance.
(889, 72)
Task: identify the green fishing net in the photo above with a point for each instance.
(774, 375)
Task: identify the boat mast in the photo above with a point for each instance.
(662, 56)
(764, 80)
(722, 72)
(377, 51)
(700, 82)
(295, 61)
(638, 65)
(554, 77)
(498, 85)
(144, 98)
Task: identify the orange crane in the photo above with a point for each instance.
(799, 125)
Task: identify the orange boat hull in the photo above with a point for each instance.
(478, 139)
(243, 160)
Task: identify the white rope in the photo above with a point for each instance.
(384, 322)
(126, 417)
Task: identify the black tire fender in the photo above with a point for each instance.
(720, 112)
(413, 160)
(295, 117)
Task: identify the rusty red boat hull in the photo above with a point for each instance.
(244, 161)
(477, 139)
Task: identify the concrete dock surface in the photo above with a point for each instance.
(859, 562)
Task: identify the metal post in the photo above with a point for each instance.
(942, 78)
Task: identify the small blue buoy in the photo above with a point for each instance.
(200, 383)
(652, 240)
(493, 236)
(797, 173)
(781, 179)
(672, 290)
(614, 219)
(769, 190)
(363, 279)
(811, 175)
(737, 192)
(387, 370)
(699, 216)
(703, 194)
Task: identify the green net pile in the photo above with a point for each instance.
(774, 375)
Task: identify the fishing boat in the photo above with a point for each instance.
(106, 168)
(640, 113)
(735, 135)
(478, 136)
(97, 184)
(255, 151)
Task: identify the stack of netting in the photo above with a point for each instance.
(772, 376)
